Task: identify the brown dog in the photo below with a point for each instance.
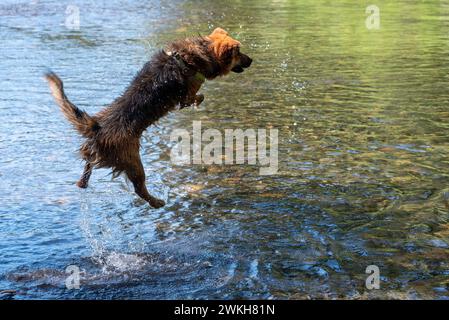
(172, 77)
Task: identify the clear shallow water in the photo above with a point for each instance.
(363, 150)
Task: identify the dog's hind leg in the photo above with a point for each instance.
(136, 174)
(84, 180)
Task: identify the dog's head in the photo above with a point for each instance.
(227, 52)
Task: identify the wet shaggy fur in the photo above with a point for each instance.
(172, 77)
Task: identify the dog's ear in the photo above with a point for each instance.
(219, 31)
(222, 45)
(224, 53)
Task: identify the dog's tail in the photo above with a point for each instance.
(83, 123)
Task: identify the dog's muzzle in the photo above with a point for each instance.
(245, 62)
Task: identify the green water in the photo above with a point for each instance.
(363, 119)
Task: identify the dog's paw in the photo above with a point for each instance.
(81, 184)
(157, 203)
(198, 99)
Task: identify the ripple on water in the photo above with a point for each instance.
(158, 275)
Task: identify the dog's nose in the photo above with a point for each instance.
(246, 62)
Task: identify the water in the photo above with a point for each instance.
(363, 151)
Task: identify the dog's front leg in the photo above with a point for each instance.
(192, 101)
(198, 99)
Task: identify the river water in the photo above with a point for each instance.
(362, 116)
